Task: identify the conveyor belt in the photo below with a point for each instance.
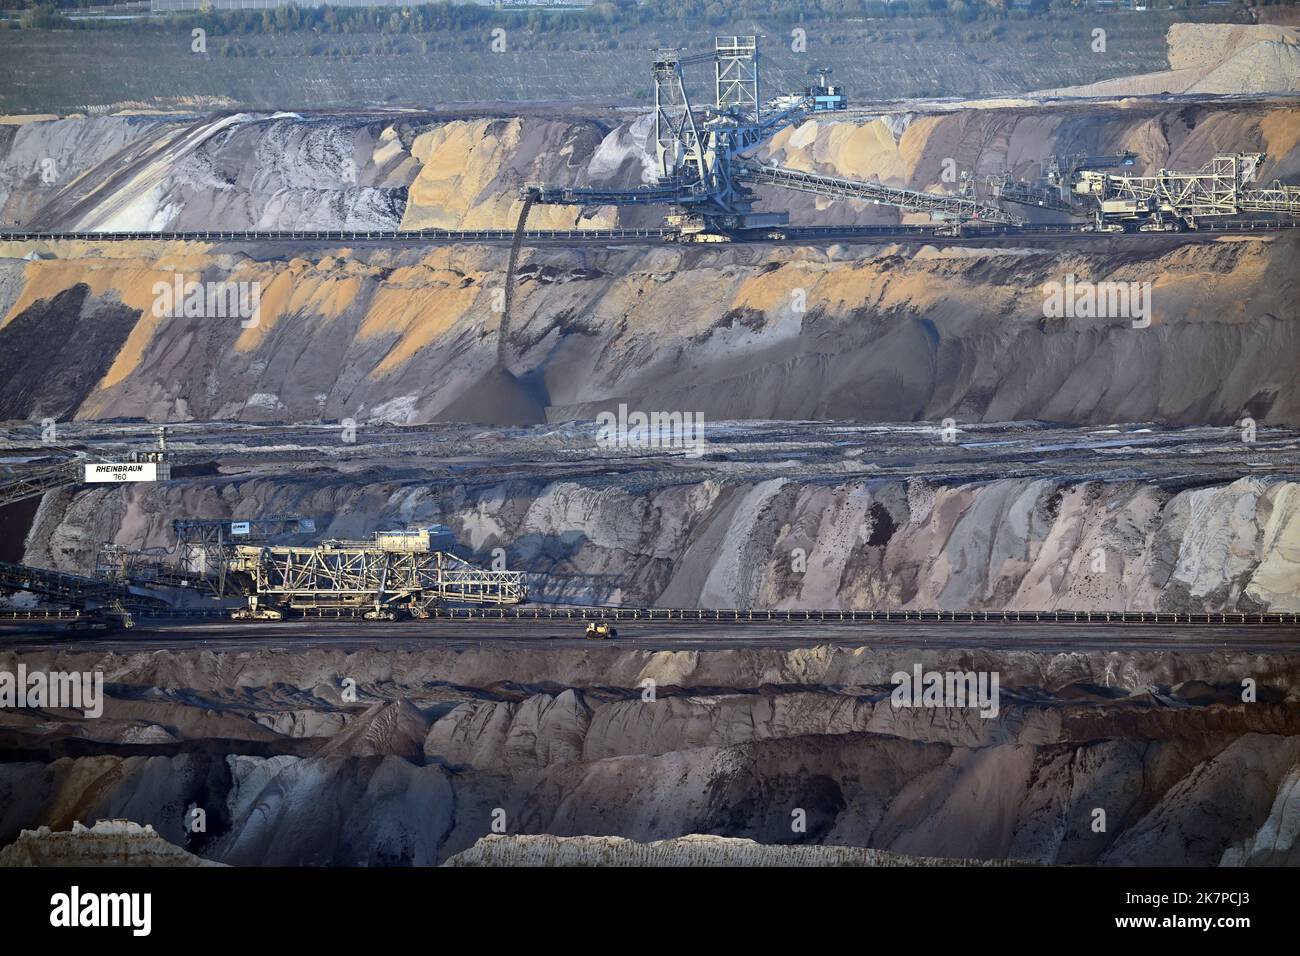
(792, 234)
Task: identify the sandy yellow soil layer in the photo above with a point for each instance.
(1216, 58)
(873, 333)
(409, 170)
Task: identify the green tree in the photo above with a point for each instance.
(44, 17)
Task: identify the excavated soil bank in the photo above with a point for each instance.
(769, 515)
(438, 747)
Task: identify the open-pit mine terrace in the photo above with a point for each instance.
(837, 322)
(825, 516)
(322, 744)
(828, 479)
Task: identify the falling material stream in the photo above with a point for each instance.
(504, 329)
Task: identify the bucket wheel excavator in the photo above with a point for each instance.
(706, 173)
(60, 466)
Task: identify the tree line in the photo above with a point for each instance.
(608, 15)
